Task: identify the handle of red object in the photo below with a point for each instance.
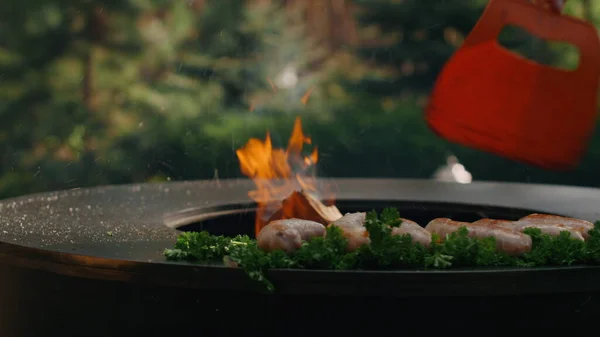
(557, 5)
(521, 13)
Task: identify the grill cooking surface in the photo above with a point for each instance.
(128, 222)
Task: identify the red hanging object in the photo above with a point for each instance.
(490, 99)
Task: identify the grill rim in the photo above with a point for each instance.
(154, 270)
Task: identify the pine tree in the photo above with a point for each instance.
(411, 39)
(290, 60)
(226, 48)
(47, 60)
(96, 92)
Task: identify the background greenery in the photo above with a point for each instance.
(111, 92)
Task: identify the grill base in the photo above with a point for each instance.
(89, 263)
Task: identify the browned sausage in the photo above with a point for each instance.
(508, 241)
(417, 233)
(353, 229)
(581, 226)
(520, 226)
(287, 235)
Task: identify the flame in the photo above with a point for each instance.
(277, 173)
(306, 96)
(272, 84)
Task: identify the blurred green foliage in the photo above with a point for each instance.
(111, 92)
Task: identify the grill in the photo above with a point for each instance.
(89, 262)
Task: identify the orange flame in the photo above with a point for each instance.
(306, 96)
(277, 172)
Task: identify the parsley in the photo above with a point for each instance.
(592, 253)
(437, 257)
(465, 251)
(323, 253)
(386, 251)
(380, 226)
(202, 246)
(256, 262)
(553, 250)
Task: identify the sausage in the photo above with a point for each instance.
(353, 229)
(418, 233)
(287, 235)
(520, 226)
(578, 225)
(351, 220)
(444, 227)
(508, 241)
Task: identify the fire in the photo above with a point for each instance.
(277, 173)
